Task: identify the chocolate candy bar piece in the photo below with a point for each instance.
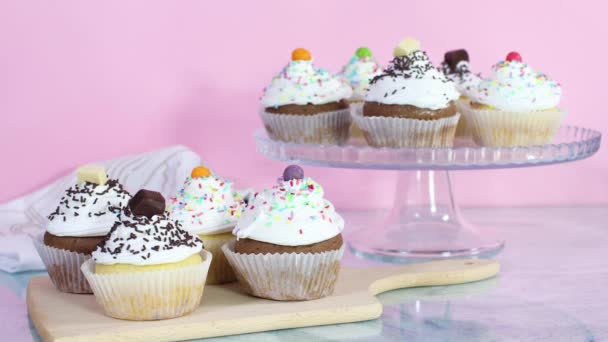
(451, 58)
(147, 203)
(92, 174)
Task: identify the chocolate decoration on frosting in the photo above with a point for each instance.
(147, 203)
(452, 58)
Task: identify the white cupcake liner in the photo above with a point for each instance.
(323, 128)
(63, 267)
(496, 128)
(463, 129)
(404, 132)
(286, 276)
(220, 271)
(355, 107)
(153, 295)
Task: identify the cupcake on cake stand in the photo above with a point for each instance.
(424, 222)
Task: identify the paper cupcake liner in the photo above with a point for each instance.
(153, 295)
(463, 129)
(63, 267)
(324, 128)
(287, 276)
(220, 271)
(355, 130)
(501, 128)
(404, 132)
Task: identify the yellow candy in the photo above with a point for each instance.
(200, 172)
(300, 54)
(92, 174)
(406, 46)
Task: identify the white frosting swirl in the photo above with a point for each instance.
(88, 209)
(301, 83)
(412, 80)
(466, 82)
(359, 72)
(206, 205)
(138, 240)
(516, 87)
(292, 213)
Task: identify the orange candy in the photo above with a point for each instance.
(200, 172)
(300, 54)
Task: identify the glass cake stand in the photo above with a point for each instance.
(424, 222)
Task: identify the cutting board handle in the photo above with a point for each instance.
(444, 272)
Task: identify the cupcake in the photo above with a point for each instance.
(85, 214)
(455, 66)
(289, 242)
(304, 104)
(209, 207)
(411, 104)
(359, 71)
(147, 267)
(517, 106)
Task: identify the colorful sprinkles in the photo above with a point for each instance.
(203, 199)
(360, 70)
(517, 85)
(299, 82)
(290, 197)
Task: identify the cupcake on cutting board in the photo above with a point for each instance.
(148, 267)
(411, 104)
(305, 104)
(208, 206)
(516, 106)
(456, 67)
(85, 214)
(289, 242)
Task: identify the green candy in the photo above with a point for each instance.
(363, 52)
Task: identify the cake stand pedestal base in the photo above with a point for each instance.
(424, 224)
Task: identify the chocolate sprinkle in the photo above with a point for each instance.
(166, 235)
(83, 193)
(414, 65)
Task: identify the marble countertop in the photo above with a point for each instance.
(553, 286)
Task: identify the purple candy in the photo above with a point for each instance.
(293, 172)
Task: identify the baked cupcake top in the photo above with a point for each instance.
(300, 83)
(291, 213)
(206, 204)
(514, 86)
(455, 66)
(359, 71)
(145, 235)
(89, 207)
(411, 79)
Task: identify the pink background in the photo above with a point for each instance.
(83, 81)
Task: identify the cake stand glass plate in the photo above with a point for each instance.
(424, 222)
(570, 144)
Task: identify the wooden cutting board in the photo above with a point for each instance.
(226, 311)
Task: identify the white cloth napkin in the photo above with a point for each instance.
(25, 217)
